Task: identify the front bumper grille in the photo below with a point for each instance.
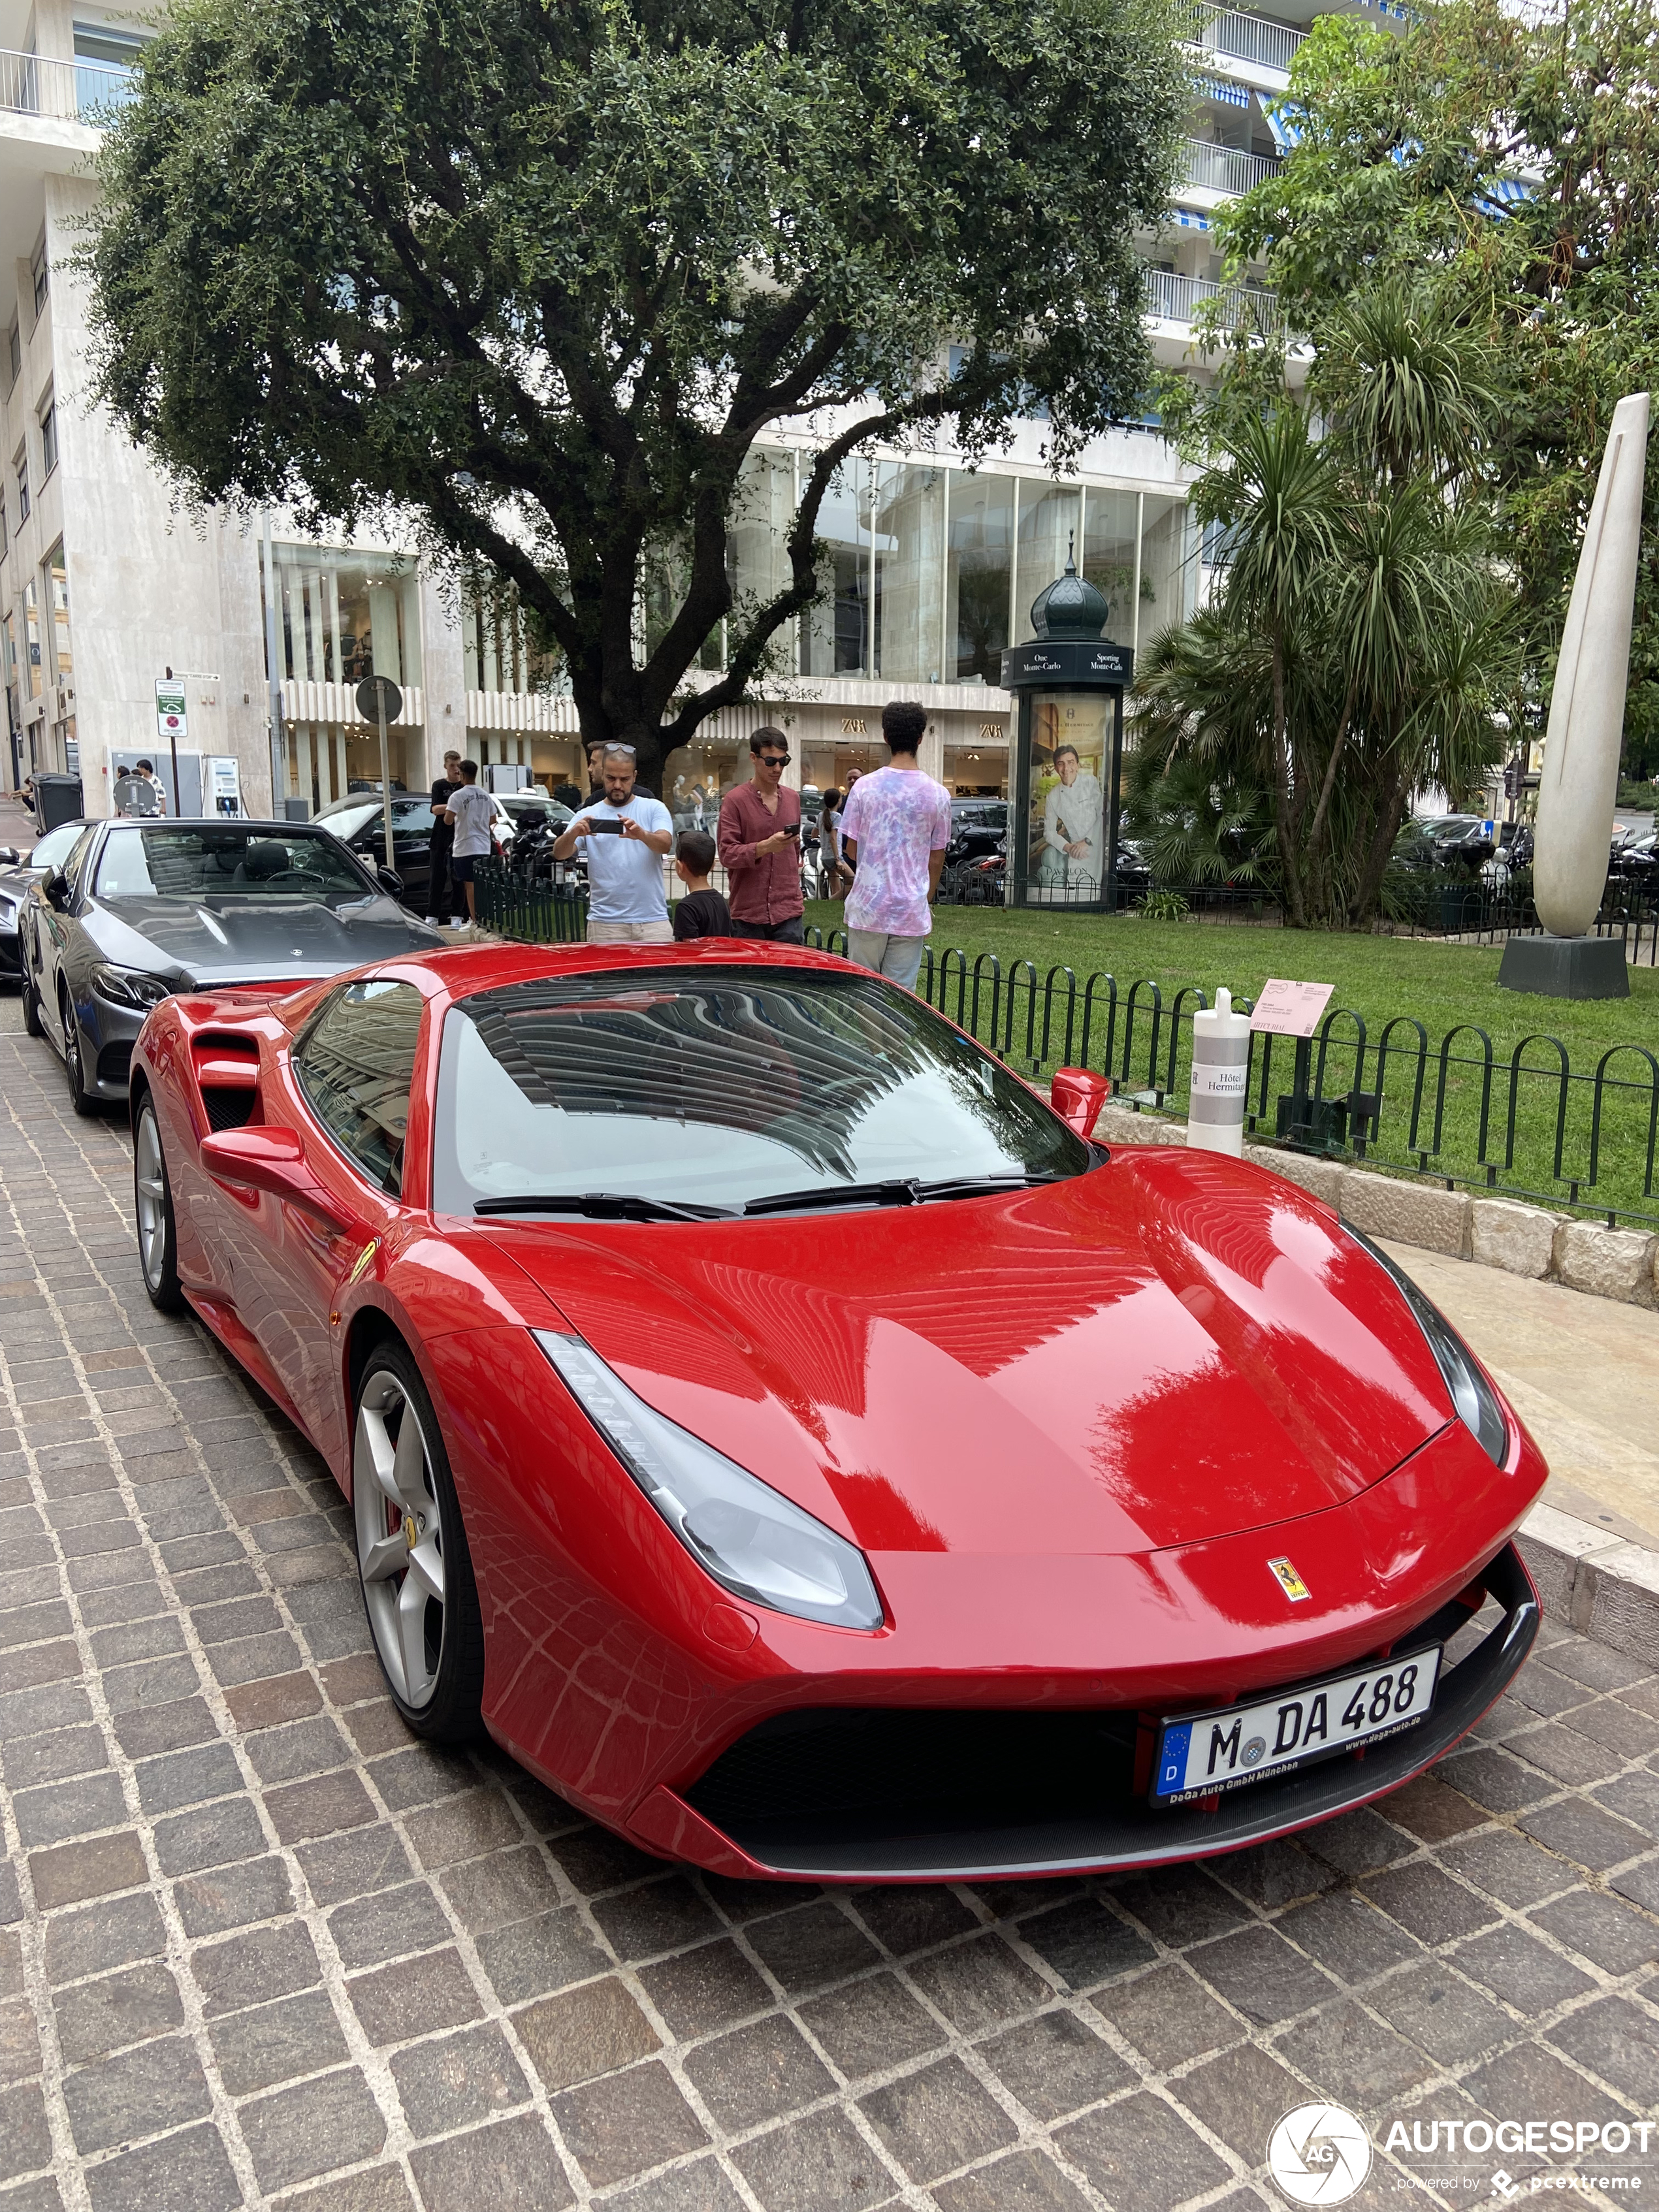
(918, 1794)
(114, 1061)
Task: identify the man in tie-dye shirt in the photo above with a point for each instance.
(894, 828)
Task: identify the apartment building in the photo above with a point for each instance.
(106, 587)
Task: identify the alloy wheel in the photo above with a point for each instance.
(400, 1548)
(79, 1097)
(150, 1198)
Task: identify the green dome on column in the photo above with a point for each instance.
(1070, 607)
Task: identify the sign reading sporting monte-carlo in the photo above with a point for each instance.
(1068, 752)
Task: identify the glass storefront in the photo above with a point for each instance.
(928, 572)
(697, 776)
(976, 771)
(1051, 528)
(346, 615)
(1169, 571)
(977, 588)
(834, 631)
(1110, 539)
(500, 648)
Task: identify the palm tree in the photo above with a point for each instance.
(1275, 491)
(1408, 571)
(1407, 384)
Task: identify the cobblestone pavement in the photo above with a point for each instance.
(260, 1948)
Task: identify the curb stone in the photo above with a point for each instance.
(1599, 1584)
(1604, 1586)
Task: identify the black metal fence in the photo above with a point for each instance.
(1522, 1122)
(539, 914)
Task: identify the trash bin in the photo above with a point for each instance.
(58, 799)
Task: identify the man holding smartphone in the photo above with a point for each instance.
(760, 847)
(624, 840)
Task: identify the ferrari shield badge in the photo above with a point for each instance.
(1288, 1580)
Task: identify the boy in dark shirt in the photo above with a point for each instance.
(702, 912)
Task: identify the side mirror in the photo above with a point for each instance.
(390, 881)
(1079, 1094)
(9, 856)
(273, 1160)
(56, 889)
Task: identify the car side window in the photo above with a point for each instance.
(77, 853)
(356, 1067)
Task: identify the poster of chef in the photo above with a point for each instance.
(1069, 739)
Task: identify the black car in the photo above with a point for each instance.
(977, 826)
(357, 820)
(18, 870)
(137, 911)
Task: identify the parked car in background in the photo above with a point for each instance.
(1636, 857)
(356, 821)
(18, 870)
(137, 911)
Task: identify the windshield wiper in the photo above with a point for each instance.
(905, 1190)
(605, 1205)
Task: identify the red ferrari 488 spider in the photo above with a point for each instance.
(800, 1445)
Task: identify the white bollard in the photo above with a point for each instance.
(1221, 1069)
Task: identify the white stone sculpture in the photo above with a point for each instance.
(1579, 784)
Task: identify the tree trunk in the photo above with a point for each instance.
(1376, 862)
(1287, 853)
(1319, 872)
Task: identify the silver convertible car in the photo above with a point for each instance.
(137, 911)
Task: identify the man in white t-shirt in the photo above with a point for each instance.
(623, 839)
(469, 813)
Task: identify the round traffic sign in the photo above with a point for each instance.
(378, 695)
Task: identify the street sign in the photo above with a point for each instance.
(170, 722)
(380, 701)
(1289, 1009)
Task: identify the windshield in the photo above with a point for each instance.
(202, 860)
(55, 847)
(718, 1090)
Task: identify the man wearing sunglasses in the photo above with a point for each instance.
(760, 847)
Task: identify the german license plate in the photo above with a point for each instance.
(1203, 1753)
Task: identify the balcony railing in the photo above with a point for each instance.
(1173, 298)
(1224, 169)
(1244, 38)
(69, 92)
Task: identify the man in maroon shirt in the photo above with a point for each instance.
(760, 847)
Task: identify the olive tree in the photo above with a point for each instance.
(540, 276)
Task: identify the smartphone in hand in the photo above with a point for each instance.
(606, 828)
(792, 830)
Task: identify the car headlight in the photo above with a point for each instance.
(128, 987)
(8, 913)
(1475, 1399)
(740, 1530)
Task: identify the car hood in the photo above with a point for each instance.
(15, 882)
(242, 938)
(1167, 1349)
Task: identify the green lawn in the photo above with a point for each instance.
(1378, 978)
